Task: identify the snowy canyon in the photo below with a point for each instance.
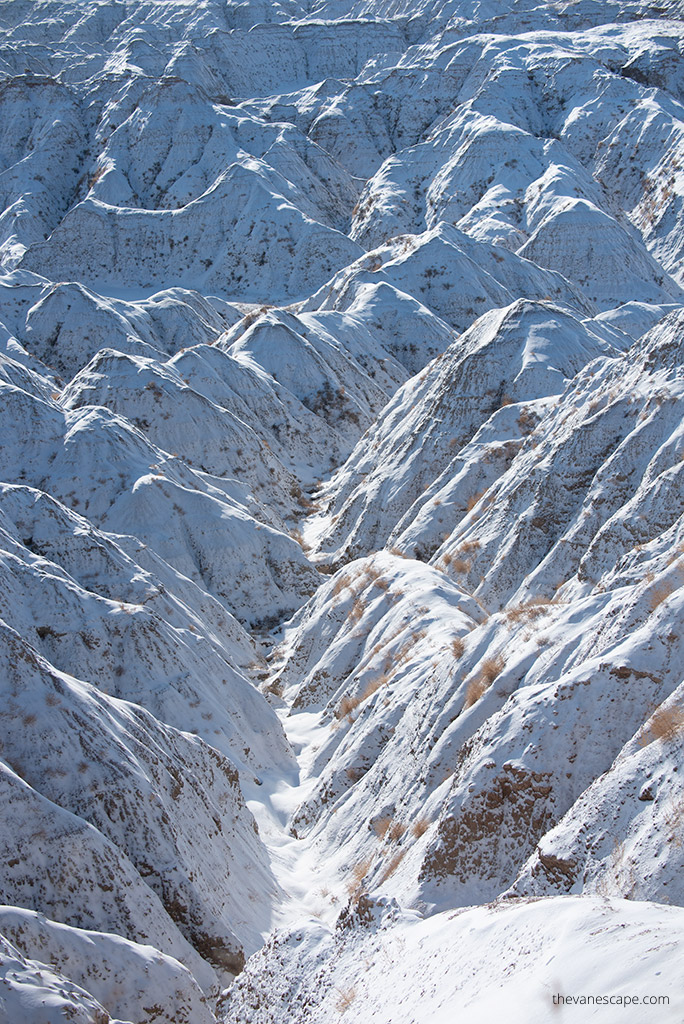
(341, 511)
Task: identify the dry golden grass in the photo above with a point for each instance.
(253, 315)
(420, 827)
(461, 566)
(677, 553)
(390, 660)
(345, 999)
(357, 610)
(357, 876)
(468, 547)
(527, 610)
(404, 652)
(95, 177)
(457, 647)
(297, 535)
(374, 685)
(490, 669)
(414, 639)
(396, 831)
(525, 420)
(381, 826)
(660, 593)
(346, 707)
(375, 650)
(474, 691)
(399, 554)
(473, 500)
(665, 724)
(339, 585)
(392, 866)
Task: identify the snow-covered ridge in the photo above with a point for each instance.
(341, 507)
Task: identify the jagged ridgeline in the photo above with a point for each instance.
(341, 511)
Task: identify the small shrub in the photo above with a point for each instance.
(347, 707)
(374, 685)
(358, 875)
(474, 691)
(526, 611)
(396, 831)
(457, 647)
(381, 826)
(490, 669)
(345, 999)
(525, 420)
(468, 547)
(297, 536)
(275, 688)
(392, 866)
(254, 314)
(339, 585)
(660, 594)
(94, 178)
(357, 610)
(665, 724)
(473, 500)
(404, 652)
(420, 827)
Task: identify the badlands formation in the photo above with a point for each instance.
(342, 511)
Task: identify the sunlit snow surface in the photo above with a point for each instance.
(341, 511)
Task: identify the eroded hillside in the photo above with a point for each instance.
(342, 509)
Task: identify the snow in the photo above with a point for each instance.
(529, 952)
(136, 982)
(341, 520)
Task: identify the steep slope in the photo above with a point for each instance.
(341, 515)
